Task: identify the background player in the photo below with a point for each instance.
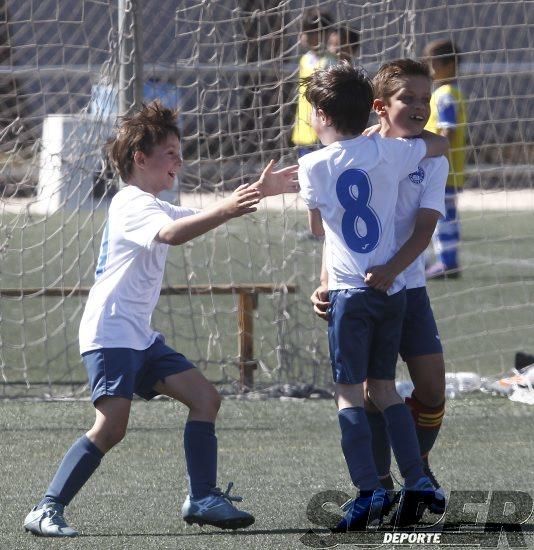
(316, 26)
(448, 118)
(123, 355)
(344, 43)
(352, 181)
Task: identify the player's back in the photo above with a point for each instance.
(354, 184)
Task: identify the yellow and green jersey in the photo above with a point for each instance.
(303, 134)
(447, 110)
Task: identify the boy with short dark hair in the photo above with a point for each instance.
(121, 352)
(350, 187)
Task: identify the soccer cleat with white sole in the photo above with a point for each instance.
(216, 509)
(48, 521)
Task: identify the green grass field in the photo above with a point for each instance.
(279, 454)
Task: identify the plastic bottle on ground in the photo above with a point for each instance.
(461, 382)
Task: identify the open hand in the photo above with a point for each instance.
(242, 201)
(277, 182)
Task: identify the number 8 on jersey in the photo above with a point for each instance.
(354, 192)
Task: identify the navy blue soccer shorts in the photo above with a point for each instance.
(364, 331)
(420, 334)
(121, 372)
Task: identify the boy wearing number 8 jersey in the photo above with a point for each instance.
(350, 188)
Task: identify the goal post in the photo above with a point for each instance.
(232, 68)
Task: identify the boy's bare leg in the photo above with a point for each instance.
(111, 422)
(193, 390)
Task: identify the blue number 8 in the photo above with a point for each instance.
(357, 210)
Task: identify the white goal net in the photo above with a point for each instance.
(232, 68)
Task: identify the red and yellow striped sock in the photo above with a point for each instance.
(427, 422)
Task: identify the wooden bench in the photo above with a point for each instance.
(247, 302)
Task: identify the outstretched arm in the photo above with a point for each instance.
(382, 277)
(277, 182)
(242, 201)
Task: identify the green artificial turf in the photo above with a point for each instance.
(279, 454)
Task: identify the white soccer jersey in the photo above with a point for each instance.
(354, 183)
(129, 272)
(424, 188)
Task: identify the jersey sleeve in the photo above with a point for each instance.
(177, 212)
(307, 192)
(404, 155)
(143, 219)
(433, 196)
(447, 109)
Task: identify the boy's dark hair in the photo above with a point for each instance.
(316, 20)
(141, 131)
(443, 49)
(344, 93)
(392, 75)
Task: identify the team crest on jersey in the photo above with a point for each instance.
(418, 176)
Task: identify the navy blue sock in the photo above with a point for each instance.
(356, 445)
(401, 430)
(200, 445)
(380, 442)
(77, 466)
(449, 258)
